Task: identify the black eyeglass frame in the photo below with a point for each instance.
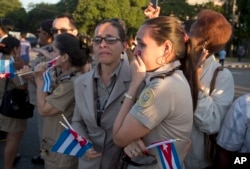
(62, 30)
(109, 40)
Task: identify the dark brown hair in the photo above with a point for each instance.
(79, 53)
(170, 28)
(8, 44)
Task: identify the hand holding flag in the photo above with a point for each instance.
(70, 142)
(50, 64)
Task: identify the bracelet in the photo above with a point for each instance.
(128, 96)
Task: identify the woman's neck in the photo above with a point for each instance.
(106, 71)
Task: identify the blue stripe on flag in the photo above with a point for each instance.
(61, 140)
(12, 69)
(47, 81)
(176, 157)
(161, 158)
(7, 67)
(70, 147)
(84, 149)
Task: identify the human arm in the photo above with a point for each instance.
(233, 133)
(121, 127)
(150, 12)
(44, 107)
(211, 109)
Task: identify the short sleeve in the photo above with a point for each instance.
(153, 104)
(62, 96)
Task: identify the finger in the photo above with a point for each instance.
(128, 152)
(141, 145)
(139, 59)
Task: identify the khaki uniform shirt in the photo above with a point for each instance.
(165, 107)
(62, 98)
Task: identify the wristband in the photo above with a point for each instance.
(128, 96)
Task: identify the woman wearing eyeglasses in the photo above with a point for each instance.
(59, 99)
(164, 109)
(99, 95)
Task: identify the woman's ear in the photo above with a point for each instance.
(167, 46)
(65, 57)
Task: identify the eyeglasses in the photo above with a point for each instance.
(108, 40)
(62, 30)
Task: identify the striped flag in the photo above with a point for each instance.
(167, 153)
(71, 143)
(7, 69)
(169, 157)
(47, 76)
(47, 81)
(52, 62)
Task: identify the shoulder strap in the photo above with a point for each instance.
(212, 83)
(163, 75)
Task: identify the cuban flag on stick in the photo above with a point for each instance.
(7, 69)
(47, 76)
(168, 154)
(47, 81)
(71, 143)
(52, 62)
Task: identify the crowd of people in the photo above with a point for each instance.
(167, 86)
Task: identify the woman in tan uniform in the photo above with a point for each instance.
(10, 48)
(164, 109)
(51, 105)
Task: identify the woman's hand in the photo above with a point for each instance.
(200, 63)
(136, 148)
(26, 72)
(92, 154)
(39, 69)
(138, 70)
(151, 12)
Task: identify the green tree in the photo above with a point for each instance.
(9, 6)
(66, 6)
(39, 13)
(89, 13)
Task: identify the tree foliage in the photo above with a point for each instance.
(89, 12)
(9, 6)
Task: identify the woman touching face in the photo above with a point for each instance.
(153, 54)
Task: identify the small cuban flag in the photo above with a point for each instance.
(167, 153)
(7, 69)
(71, 143)
(47, 81)
(47, 76)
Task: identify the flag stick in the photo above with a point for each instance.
(63, 125)
(162, 142)
(64, 118)
(25, 73)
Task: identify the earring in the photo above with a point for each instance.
(163, 60)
